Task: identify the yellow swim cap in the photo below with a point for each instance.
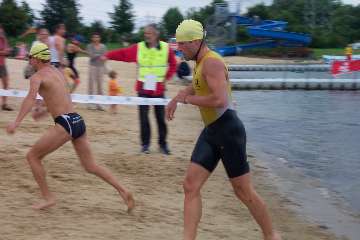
(189, 30)
(40, 51)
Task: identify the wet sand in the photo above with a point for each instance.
(88, 208)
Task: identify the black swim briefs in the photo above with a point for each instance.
(223, 139)
(73, 123)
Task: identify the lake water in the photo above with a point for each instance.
(311, 142)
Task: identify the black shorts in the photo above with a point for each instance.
(223, 139)
(73, 123)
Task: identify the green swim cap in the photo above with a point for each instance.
(40, 51)
(189, 30)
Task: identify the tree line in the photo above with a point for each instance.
(17, 18)
(330, 22)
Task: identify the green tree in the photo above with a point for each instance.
(345, 23)
(13, 18)
(65, 11)
(259, 10)
(29, 13)
(330, 22)
(203, 13)
(122, 20)
(171, 20)
(138, 36)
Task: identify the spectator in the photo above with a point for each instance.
(114, 89)
(71, 79)
(97, 65)
(72, 49)
(42, 36)
(21, 51)
(4, 51)
(57, 46)
(156, 64)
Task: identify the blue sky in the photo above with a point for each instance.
(147, 11)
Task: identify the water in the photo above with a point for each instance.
(311, 141)
(290, 74)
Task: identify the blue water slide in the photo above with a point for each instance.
(273, 33)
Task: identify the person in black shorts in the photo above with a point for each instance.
(50, 84)
(222, 138)
(72, 50)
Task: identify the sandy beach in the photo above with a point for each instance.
(88, 208)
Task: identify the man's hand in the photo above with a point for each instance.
(170, 109)
(180, 97)
(10, 129)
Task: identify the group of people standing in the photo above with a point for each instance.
(63, 56)
(223, 136)
(156, 65)
(5, 50)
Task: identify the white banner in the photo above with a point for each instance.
(97, 99)
(329, 58)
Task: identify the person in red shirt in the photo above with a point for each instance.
(156, 64)
(4, 51)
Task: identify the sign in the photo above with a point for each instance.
(341, 67)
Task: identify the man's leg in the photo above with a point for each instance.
(195, 178)
(145, 131)
(99, 83)
(82, 148)
(54, 138)
(245, 191)
(91, 83)
(99, 79)
(160, 119)
(5, 82)
(76, 79)
(92, 72)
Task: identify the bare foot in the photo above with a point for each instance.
(45, 204)
(130, 202)
(275, 236)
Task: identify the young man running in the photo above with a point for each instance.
(49, 82)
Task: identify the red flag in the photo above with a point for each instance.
(340, 67)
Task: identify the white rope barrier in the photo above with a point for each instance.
(96, 99)
(282, 67)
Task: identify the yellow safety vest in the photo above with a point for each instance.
(152, 62)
